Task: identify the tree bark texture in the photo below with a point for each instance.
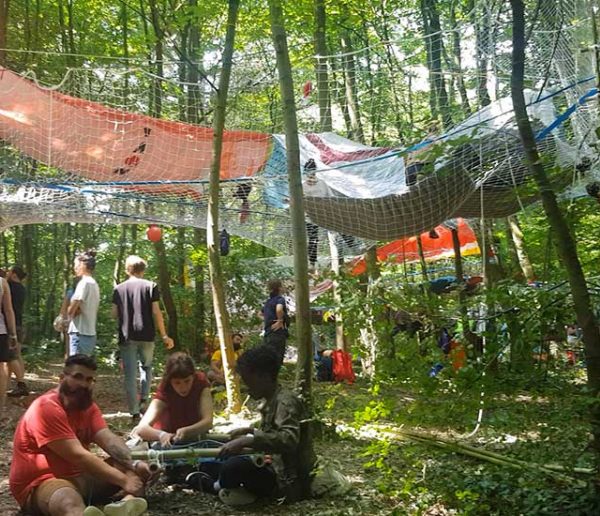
(565, 243)
(232, 386)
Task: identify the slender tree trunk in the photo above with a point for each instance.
(199, 303)
(565, 242)
(349, 70)
(321, 66)
(435, 46)
(4, 10)
(457, 60)
(422, 261)
(481, 48)
(304, 372)
(517, 239)
(118, 268)
(212, 223)
(164, 280)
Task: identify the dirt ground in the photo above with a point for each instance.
(165, 500)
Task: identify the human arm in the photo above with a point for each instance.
(73, 452)
(9, 314)
(144, 428)
(280, 314)
(160, 325)
(74, 308)
(205, 406)
(283, 436)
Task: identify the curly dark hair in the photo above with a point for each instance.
(261, 359)
(593, 189)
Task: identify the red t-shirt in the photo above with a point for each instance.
(180, 411)
(45, 421)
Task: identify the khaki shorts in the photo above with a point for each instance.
(91, 491)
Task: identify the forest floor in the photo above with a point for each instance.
(393, 476)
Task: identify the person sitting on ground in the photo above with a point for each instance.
(215, 374)
(15, 278)
(280, 434)
(52, 470)
(182, 407)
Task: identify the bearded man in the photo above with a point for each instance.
(54, 473)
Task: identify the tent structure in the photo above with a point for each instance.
(405, 249)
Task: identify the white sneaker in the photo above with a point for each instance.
(235, 497)
(92, 511)
(129, 507)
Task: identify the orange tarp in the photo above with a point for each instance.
(433, 248)
(105, 144)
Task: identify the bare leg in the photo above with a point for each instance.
(3, 386)
(65, 501)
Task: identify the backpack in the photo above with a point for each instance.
(224, 243)
(342, 367)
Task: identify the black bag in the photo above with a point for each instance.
(224, 243)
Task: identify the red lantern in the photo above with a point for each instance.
(154, 233)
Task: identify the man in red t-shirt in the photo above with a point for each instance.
(53, 472)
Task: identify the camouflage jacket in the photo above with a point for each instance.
(282, 434)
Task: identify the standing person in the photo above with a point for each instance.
(83, 307)
(52, 470)
(15, 278)
(136, 305)
(215, 374)
(8, 340)
(276, 319)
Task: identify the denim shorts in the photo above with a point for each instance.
(84, 344)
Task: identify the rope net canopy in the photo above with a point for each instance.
(119, 144)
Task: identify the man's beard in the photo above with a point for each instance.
(79, 398)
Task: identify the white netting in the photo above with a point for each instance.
(119, 144)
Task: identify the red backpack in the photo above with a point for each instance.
(342, 367)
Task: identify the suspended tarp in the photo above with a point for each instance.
(104, 144)
(436, 245)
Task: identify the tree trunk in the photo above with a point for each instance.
(323, 96)
(304, 370)
(164, 280)
(349, 71)
(212, 223)
(4, 10)
(481, 47)
(564, 241)
(422, 262)
(199, 304)
(434, 44)
(517, 239)
(457, 62)
(118, 268)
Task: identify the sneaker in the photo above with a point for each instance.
(135, 418)
(92, 511)
(129, 507)
(20, 390)
(236, 497)
(200, 481)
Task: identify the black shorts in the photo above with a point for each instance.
(4, 349)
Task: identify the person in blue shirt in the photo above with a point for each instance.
(276, 319)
